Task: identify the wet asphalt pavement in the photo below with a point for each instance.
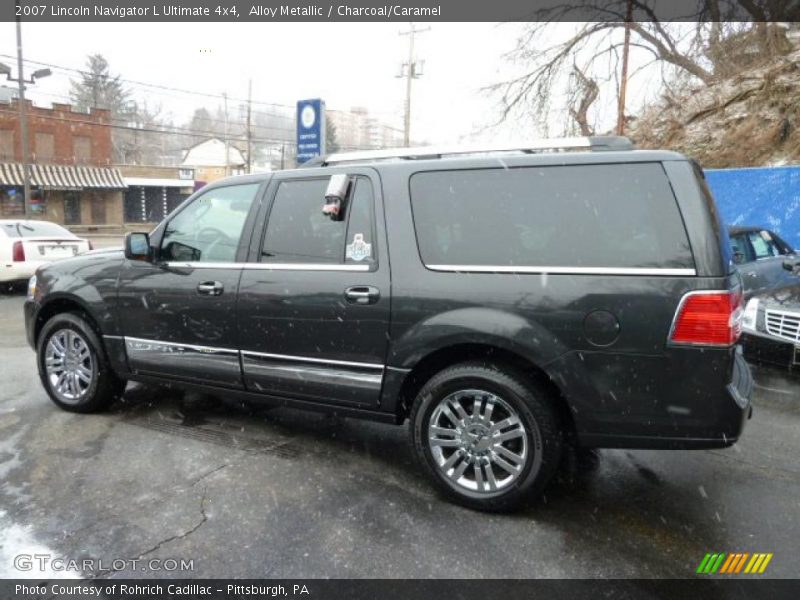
(283, 493)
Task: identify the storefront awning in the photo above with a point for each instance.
(60, 177)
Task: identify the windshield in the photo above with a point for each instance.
(17, 229)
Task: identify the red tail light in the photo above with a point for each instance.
(708, 319)
(18, 252)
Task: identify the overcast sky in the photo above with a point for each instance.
(346, 64)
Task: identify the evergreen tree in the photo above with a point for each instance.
(98, 88)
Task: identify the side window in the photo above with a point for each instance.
(297, 231)
(763, 244)
(741, 249)
(209, 229)
(605, 216)
(360, 247)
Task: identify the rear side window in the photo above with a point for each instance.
(612, 216)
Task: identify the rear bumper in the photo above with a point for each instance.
(709, 419)
(18, 271)
(760, 348)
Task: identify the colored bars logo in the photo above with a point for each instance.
(734, 563)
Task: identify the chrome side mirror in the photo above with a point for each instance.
(137, 246)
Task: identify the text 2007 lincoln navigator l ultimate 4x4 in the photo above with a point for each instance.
(505, 301)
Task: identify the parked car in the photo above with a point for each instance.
(504, 300)
(759, 255)
(771, 324)
(26, 245)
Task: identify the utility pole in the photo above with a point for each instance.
(23, 122)
(227, 147)
(623, 87)
(23, 113)
(410, 70)
(249, 133)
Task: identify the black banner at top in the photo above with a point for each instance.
(71, 11)
(402, 589)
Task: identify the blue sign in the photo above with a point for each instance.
(310, 129)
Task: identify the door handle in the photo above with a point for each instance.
(210, 288)
(362, 294)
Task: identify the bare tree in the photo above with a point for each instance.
(717, 40)
(584, 92)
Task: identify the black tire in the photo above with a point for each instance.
(523, 395)
(104, 387)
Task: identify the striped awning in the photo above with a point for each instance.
(60, 177)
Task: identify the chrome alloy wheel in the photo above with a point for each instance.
(69, 365)
(478, 441)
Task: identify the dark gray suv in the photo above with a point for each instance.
(505, 300)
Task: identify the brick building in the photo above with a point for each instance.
(72, 180)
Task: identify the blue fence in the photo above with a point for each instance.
(768, 197)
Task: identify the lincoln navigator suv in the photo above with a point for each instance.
(506, 301)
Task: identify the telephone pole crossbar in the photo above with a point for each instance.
(410, 70)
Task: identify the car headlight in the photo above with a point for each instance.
(750, 315)
(31, 287)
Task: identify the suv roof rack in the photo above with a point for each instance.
(596, 143)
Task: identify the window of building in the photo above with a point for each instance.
(44, 147)
(82, 149)
(11, 204)
(7, 144)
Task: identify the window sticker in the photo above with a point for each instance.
(359, 249)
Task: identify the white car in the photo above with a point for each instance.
(26, 245)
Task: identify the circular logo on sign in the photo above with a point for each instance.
(308, 116)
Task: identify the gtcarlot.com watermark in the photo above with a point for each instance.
(55, 564)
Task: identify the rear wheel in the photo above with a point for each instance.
(73, 366)
(487, 434)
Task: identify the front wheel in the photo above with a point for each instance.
(487, 434)
(73, 367)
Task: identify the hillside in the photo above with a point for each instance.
(747, 120)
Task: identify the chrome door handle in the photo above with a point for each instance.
(210, 288)
(362, 294)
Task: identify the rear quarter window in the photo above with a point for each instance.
(34, 229)
(596, 216)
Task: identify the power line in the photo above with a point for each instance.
(174, 131)
(242, 101)
(210, 119)
(153, 85)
